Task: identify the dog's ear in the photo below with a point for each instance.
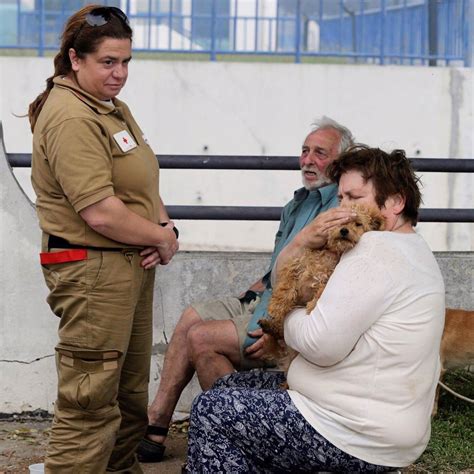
(377, 222)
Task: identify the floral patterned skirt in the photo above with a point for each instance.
(247, 424)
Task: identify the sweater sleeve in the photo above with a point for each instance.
(356, 295)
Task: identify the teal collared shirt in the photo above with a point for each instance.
(299, 212)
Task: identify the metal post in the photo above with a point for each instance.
(256, 26)
(432, 31)
(361, 28)
(170, 25)
(193, 26)
(149, 24)
(402, 32)
(466, 33)
(447, 31)
(127, 9)
(18, 22)
(352, 16)
(41, 28)
(235, 23)
(298, 32)
(213, 30)
(277, 31)
(63, 14)
(382, 33)
(341, 25)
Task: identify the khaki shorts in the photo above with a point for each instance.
(230, 308)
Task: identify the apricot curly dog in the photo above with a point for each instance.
(302, 280)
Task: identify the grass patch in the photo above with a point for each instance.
(451, 447)
(29, 52)
(172, 56)
(162, 56)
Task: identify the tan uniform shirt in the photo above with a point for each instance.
(83, 152)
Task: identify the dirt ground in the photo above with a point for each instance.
(23, 441)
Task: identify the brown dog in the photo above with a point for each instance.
(457, 343)
(302, 280)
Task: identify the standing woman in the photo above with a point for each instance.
(104, 230)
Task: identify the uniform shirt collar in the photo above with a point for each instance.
(99, 106)
(326, 193)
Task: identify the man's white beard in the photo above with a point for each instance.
(319, 183)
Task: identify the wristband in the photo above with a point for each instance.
(175, 229)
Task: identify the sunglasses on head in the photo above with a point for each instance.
(100, 16)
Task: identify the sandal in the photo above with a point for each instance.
(151, 451)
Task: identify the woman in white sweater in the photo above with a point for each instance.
(362, 387)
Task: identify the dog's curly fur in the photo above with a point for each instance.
(302, 280)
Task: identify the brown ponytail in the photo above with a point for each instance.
(84, 39)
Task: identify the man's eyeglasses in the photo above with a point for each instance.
(100, 16)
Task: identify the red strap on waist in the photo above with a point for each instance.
(73, 255)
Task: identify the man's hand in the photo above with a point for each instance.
(260, 348)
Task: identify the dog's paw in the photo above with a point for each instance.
(269, 327)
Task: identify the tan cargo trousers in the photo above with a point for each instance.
(103, 361)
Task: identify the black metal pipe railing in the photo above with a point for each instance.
(255, 213)
(221, 162)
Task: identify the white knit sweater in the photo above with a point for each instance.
(368, 365)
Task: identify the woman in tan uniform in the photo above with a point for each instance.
(104, 230)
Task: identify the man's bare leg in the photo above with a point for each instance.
(214, 350)
(176, 374)
(211, 348)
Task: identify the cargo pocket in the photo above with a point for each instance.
(69, 283)
(81, 272)
(87, 379)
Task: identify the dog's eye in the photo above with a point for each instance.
(358, 224)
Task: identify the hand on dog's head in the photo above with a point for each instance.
(344, 237)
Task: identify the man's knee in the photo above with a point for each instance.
(212, 337)
(189, 317)
(197, 339)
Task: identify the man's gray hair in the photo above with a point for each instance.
(324, 122)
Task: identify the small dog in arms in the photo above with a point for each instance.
(302, 280)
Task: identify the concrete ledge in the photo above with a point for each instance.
(28, 328)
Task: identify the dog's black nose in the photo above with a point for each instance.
(344, 232)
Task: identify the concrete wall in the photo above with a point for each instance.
(28, 328)
(266, 109)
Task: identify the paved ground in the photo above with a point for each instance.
(23, 442)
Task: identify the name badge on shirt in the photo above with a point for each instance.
(125, 141)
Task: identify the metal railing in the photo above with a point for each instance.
(263, 213)
(431, 32)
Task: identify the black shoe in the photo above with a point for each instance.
(151, 451)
